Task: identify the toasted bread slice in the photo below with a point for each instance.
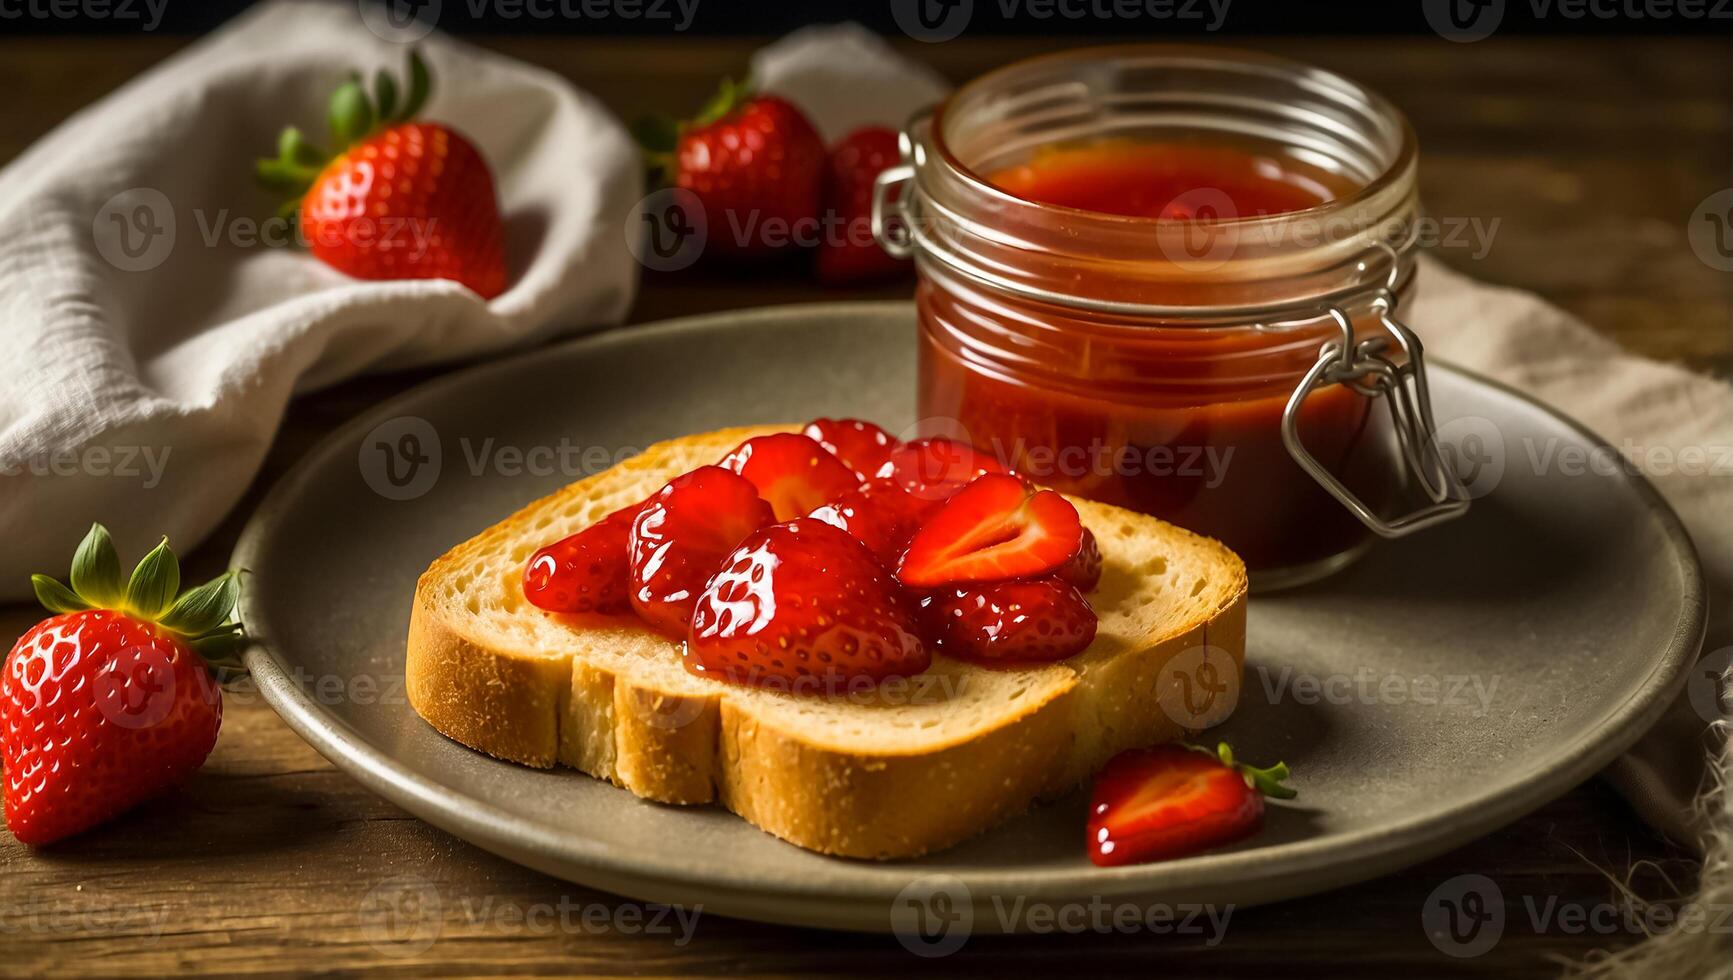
(877, 773)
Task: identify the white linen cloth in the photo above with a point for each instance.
(154, 340)
(191, 352)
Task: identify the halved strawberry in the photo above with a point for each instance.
(803, 607)
(862, 446)
(1042, 619)
(793, 472)
(937, 468)
(1084, 568)
(882, 515)
(680, 537)
(996, 528)
(1172, 800)
(587, 572)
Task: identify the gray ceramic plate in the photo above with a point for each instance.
(1441, 687)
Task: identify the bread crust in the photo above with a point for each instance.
(682, 747)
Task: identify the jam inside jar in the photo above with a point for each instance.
(1166, 279)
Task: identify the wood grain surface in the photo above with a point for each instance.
(1585, 158)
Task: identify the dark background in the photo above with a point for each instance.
(989, 17)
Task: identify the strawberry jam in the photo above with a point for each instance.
(1139, 179)
(1172, 416)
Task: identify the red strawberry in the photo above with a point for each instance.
(863, 446)
(803, 607)
(399, 199)
(937, 468)
(108, 703)
(587, 572)
(882, 515)
(756, 165)
(792, 472)
(1040, 619)
(849, 255)
(1084, 568)
(680, 537)
(1172, 800)
(996, 528)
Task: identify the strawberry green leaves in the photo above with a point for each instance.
(205, 608)
(56, 598)
(96, 568)
(351, 116)
(152, 592)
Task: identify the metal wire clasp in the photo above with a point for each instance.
(1363, 367)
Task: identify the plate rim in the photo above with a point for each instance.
(1302, 867)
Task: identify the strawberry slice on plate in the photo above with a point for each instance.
(862, 446)
(680, 536)
(996, 528)
(803, 607)
(1173, 800)
(793, 472)
(1044, 619)
(586, 572)
(937, 468)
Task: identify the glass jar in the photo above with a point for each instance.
(1220, 371)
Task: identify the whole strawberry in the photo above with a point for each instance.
(395, 198)
(755, 163)
(109, 702)
(849, 255)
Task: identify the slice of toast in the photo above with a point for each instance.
(896, 771)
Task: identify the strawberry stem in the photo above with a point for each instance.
(351, 116)
(1268, 781)
(658, 136)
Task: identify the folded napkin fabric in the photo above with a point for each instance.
(158, 325)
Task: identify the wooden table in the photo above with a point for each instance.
(1590, 155)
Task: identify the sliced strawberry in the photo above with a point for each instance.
(680, 537)
(1039, 620)
(937, 468)
(793, 472)
(862, 446)
(882, 515)
(587, 572)
(1084, 568)
(803, 607)
(996, 528)
(1172, 800)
